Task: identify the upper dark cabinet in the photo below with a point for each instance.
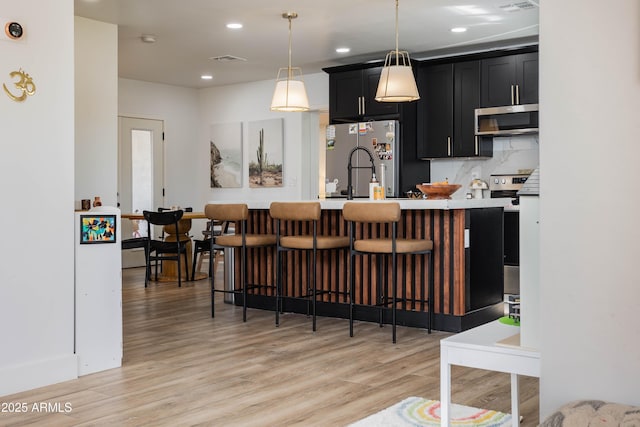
(510, 80)
(449, 93)
(435, 111)
(352, 96)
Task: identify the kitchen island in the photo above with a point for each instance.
(468, 264)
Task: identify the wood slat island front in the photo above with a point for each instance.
(468, 265)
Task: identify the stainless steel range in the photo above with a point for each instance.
(508, 185)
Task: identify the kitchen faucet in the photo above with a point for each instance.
(350, 168)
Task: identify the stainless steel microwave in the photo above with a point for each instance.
(508, 120)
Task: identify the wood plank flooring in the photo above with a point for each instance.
(183, 368)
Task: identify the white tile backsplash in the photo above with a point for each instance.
(509, 155)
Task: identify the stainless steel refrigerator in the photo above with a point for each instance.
(380, 138)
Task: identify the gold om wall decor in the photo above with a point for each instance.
(24, 85)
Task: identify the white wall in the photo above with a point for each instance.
(249, 102)
(178, 108)
(188, 114)
(96, 121)
(589, 174)
(36, 172)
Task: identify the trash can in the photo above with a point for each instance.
(229, 274)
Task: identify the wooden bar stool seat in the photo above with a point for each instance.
(386, 215)
(297, 229)
(238, 213)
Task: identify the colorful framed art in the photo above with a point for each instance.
(97, 229)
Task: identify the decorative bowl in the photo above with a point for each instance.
(438, 191)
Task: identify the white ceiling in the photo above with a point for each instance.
(189, 32)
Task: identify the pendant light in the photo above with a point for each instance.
(397, 83)
(290, 93)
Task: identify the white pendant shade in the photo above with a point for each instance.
(397, 84)
(290, 95)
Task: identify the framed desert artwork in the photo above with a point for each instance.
(266, 148)
(225, 143)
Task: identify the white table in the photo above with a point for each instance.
(479, 348)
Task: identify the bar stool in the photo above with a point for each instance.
(388, 244)
(239, 213)
(296, 238)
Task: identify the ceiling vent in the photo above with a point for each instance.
(517, 6)
(227, 58)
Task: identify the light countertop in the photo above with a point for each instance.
(405, 204)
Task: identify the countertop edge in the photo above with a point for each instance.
(405, 204)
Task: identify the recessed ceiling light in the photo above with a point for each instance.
(343, 50)
(206, 77)
(148, 38)
(234, 25)
(458, 30)
(470, 10)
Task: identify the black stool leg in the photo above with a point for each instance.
(313, 290)
(351, 292)
(308, 290)
(393, 295)
(380, 289)
(278, 283)
(212, 280)
(244, 283)
(430, 296)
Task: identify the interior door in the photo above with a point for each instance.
(140, 177)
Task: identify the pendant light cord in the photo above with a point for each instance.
(397, 50)
(289, 73)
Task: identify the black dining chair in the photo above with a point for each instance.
(135, 243)
(163, 250)
(202, 246)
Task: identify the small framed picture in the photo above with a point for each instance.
(97, 229)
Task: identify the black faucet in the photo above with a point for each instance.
(350, 168)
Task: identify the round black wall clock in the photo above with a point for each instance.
(13, 30)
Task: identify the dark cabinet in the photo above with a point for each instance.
(510, 80)
(450, 93)
(352, 96)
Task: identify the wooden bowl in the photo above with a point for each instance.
(438, 191)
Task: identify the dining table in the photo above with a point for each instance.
(170, 268)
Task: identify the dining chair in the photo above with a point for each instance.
(162, 250)
(135, 243)
(201, 246)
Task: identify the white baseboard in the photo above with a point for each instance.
(30, 375)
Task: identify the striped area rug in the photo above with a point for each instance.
(417, 411)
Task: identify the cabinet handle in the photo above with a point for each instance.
(477, 145)
(512, 97)
(449, 146)
(518, 94)
(359, 105)
(363, 109)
